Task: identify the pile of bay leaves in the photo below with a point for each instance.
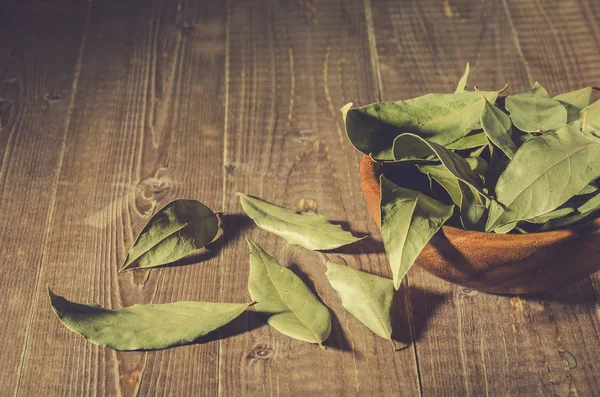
(182, 227)
(525, 163)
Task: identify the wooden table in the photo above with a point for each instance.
(109, 109)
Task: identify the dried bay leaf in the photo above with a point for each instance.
(411, 144)
(143, 327)
(313, 232)
(462, 83)
(557, 213)
(294, 310)
(473, 208)
(498, 128)
(366, 296)
(590, 119)
(471, 141)
(535, 111)
(574, 102)
(545, 172)
(408, 221)
(441, 118)
(175, 231)
(445, 178)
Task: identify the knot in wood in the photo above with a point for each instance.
(261, 352)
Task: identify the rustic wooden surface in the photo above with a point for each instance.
(109, 109)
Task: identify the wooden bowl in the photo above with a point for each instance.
(500, 263)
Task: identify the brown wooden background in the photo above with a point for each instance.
(109, 109)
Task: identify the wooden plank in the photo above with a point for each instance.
(39, 52)
(290, 67)
(147, 128)
(477, 344)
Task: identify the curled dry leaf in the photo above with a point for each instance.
(175, 231)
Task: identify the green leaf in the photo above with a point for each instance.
(366, 296)
(409, 144)
(590, 119)
(574, 102)
(588, 189)
(557, 213)
(471, 141)
(473, 208)
(313, 232)
(592, 204)
(294, 310)
(498, 127)
(175, 231)
(573, 219)
(441, 118)
(546, 172)
(445, 178)
(478, 166)
(535, 111)
(462, 83)
(143, 327)
(408, 221)
(506, 228)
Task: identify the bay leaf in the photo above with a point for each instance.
(473, 208)
(471, 141)
(478, 166)
(590, 119)
(445, 178)
(313, 232)
(411, 144)
(294, 310)
(441, 118)
(366, 296)
(574, 102)
(144, 327)
(592, 204)
(505, 229)
(462, 83)
(545, 172)
(557, 213)
(588, 189)
(175, 231)
(409, 219)
(498, 128)
(535, 111)
(572, 220)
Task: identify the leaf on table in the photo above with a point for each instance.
(471, 141)
(473, 208)
(294, 310)
(574, 102)
(313, 232)
(441, 118)
(175, 231)
(409, 144)
(366, 296)
(535, 111)
(462, 83)
(545, 172)
(445, 178)
(498, 128)
(408, 221)
(144, 327)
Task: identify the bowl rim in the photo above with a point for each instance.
(369, 178)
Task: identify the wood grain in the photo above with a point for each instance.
(110, 109)
(39, 55)
(146, 128)
(290, 68)
(478, 344)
